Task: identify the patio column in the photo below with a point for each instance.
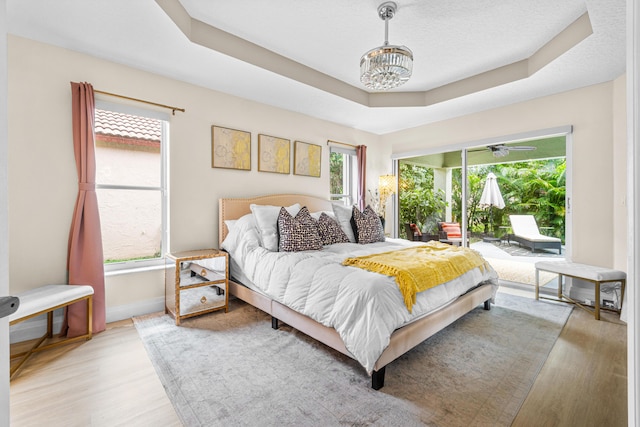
(441, 179)
(448, 191)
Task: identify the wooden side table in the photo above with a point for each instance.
(196, 282)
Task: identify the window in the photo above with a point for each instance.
(342, 174)
(131, 185)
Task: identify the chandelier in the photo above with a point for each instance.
(387, 66)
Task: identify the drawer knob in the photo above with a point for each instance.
(203, 273)
(203, 299)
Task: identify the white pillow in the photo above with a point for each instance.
(230, 223)
(266, 217)
(316, 215)
(241, 237)
(343, 216)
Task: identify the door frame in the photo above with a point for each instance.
(4, 218)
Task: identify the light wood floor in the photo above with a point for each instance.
(107, 381)
(110, 381)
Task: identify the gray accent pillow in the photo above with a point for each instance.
(343, 216)
(330, 231)
(368, 225)
(299, 233)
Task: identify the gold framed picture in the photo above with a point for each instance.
(274, 154)
(307, 159)
(230, 148)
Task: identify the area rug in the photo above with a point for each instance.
(519, 272)
(234, 369)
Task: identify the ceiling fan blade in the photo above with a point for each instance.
(500, 150)
(520, 148)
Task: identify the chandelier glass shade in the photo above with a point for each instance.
(388, 66)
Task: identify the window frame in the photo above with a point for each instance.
(152, 263)
(348, 175)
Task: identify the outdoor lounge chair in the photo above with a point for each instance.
(526, 233)
(413, 232)
(450, 232)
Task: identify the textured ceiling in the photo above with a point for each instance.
(450, 41)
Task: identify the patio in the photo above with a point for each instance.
(515, 265)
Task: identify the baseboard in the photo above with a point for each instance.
(128, 311)
(36, 327)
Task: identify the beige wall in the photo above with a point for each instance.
(619, 206)
(42, 174)
(598, 167)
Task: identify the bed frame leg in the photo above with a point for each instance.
(377, 378)
(487, 305)
(274, 323)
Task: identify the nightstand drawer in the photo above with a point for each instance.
(205, 273)
(195, 300)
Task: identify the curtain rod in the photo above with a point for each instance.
(173, 109)
(341, 143)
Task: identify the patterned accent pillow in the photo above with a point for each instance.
(368, 226)
(299, 233)
(330, 231)
(266, 217)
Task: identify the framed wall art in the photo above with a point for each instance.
(230, 148)
(307, 159)
(274, 154)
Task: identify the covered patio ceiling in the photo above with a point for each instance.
(546, 148)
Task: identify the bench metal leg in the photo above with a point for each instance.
(560, 287)
(90, 318)
(38, 346)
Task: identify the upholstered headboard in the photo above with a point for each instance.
(235, 208)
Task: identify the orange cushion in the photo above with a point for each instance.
(453, 230)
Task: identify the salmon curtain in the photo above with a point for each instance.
(361, 156)
(85, 261)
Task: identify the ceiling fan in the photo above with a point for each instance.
(501, 150)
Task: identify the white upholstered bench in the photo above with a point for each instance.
(590, 273)
(46, 299)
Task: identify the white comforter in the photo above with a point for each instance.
(363, 307)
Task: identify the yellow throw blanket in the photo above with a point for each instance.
(421, 267)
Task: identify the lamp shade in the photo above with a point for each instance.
(387, 184)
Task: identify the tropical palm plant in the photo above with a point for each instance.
(418, 201)
(535, 187)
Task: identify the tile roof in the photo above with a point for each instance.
(121, 125)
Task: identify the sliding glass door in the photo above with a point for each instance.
(528, 177)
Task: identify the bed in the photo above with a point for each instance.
(370, 295)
